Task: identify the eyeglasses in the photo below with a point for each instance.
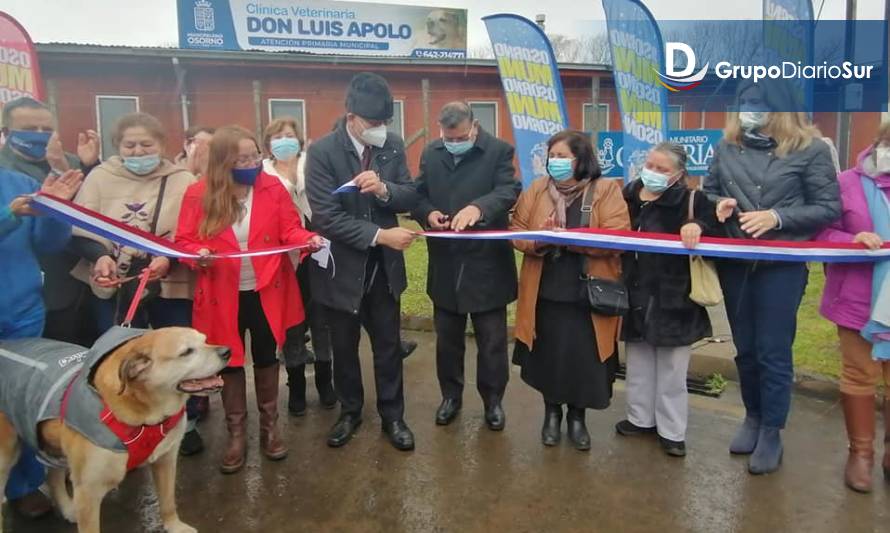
(248, 161)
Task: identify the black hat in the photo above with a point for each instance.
(368, 96)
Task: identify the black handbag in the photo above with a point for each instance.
(127, 291)
(606, 297)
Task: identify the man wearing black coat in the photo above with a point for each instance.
(360, 284)
(467, 180)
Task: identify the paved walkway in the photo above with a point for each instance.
(464, 478)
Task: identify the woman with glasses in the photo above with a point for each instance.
(238, 207)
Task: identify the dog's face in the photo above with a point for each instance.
(173, 360)
(442, 26)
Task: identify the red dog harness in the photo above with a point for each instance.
(140, 441)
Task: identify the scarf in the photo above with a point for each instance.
(564, 194)
(877, 330)
(758, 141)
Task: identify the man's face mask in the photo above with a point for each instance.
(31, 144)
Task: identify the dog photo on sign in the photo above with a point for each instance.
(443, 29)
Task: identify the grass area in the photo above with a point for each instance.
(815, 349)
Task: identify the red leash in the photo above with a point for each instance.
(131, 312)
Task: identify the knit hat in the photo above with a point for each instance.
(368, 96)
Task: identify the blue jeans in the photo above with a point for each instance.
(761, 303)
(28, 474)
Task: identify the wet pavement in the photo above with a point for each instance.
(465, 478)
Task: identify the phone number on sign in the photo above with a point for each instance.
(440, 54)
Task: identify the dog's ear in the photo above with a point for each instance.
(132, 368)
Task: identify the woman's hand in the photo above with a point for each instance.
(691, 234)
(756, 223)
(725, 208)
(64, 186)
(105, 272)
(158, 268)
(551, 225)
(316, 243)
(205, 260)
(872, 241)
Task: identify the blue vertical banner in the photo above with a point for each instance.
(788, 30)
(532, 88)
(637, 60)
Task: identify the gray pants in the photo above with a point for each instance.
(656, 388)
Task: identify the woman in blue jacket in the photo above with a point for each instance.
(23, 237)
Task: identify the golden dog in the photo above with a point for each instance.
(445, 29)
(142, 382)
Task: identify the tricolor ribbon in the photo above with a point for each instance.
(121, 233)
(749, 249)
(763, 250)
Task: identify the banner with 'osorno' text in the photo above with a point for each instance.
(19, 69)
(637, 57)
(532, 88)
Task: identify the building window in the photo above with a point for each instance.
(109, 109)
(287, 107)
(397, 124)
(602, 119)
(675, 117)
(487, 115)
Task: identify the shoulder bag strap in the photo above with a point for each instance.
(690, 213)
(586, 213)
(158, 204)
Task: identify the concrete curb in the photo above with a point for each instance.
(706, 360)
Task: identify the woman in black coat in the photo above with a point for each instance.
(773, 178)
(663, 322)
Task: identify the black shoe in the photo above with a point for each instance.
(629, 429)
(343, 430)
(577, 429)
(326, 396)
(191, 444)
(495, 417)
(399, 435)
(447, 411)
(551, 433)
(407, 348)
(673, 448)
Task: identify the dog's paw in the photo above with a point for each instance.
(67, 511)
(179, 527)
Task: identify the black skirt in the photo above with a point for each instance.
(564, 365)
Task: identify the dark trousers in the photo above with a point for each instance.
(492, 368)
(762, 302)
(156, 313)
(263, 347)
(379, 315)
(76, 323)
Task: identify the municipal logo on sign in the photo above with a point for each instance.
(204, 16)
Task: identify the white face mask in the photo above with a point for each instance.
(753, 119)
(375, 136)
(882, 159)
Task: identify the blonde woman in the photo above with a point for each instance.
(772, 178)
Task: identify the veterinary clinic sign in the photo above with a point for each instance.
(699, 146)
(323, 27)
(19, 70)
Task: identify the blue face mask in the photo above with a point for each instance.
(458, 148)
(560, 168)
(142, 164)
(246, 176)
(31, 144)
(655, 181)
(285, 148)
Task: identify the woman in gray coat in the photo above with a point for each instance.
(773, 178)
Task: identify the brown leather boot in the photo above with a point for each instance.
(234, 398)
(886, 463)
(859, 414)
(266, 381)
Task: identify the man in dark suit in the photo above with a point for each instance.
(467, 180)
(362, 282)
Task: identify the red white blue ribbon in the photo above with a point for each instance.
(749, 249)
(121, 233)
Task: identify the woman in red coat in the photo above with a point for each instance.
(238, 207)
